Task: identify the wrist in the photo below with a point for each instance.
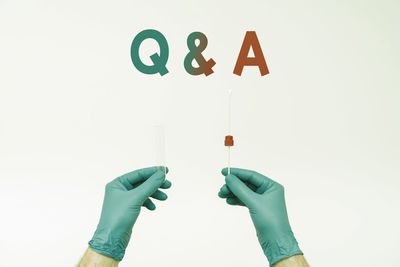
(280, 246)
(110, 245)
(92, 258)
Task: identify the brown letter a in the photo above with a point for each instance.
(251, 40)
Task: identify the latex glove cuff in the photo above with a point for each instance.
(108, 246)
(281, 248)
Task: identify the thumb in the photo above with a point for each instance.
(151, 185)
(240, 189)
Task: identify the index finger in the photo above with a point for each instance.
(140, 175)
(249, 176)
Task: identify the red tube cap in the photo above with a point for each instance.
(229, 140)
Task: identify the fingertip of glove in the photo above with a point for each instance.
(163, 169)
(166, 184)
(224, 171)
(229, 201)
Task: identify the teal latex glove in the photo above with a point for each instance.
(266, 203)
(123, 200)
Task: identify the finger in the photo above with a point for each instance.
(249, 176)
(163, 169)
(167, 184)
(149, 186)
(137, 176)
(223, 195)
(159, 195)
(224, 192)
(149, 204)
(240, 190)
(234, 201)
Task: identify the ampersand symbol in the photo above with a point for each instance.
(195, 54)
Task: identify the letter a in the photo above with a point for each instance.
(251, 40)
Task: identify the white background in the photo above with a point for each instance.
(75, 114)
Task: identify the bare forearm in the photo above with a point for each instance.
(294, 261)
(94, 259)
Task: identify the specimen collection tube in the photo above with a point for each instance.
(159, 140)
(229, 137)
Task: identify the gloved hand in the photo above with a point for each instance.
(266, 203)
(123, 200)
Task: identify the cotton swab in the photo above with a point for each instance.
(229, 137)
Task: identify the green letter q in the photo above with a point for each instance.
(159, 60)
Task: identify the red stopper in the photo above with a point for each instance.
(229, 140)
